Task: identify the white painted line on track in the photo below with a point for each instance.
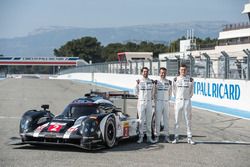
(8, 117)
(223, 142)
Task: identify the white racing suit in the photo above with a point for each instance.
(162, 94)
(144, 91)
(183, 91)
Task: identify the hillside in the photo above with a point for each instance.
(43, 41)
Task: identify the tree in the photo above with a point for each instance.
(159, 48)
(109, 53)
(174, 46)
(206, 43)
(132, 47)
(87, 48)
(145, 46)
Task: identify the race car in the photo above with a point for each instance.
(90, 122)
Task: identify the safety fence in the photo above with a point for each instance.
(234, 65)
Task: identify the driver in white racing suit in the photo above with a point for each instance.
(183, 92)
(144, 91)
(162, 94)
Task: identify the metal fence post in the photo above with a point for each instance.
(126, 68)
(130, 67)
(158, 67)
(207, 75)
(117, 68)
(124, 102)
(109, 67)
(113, 68)
(120, 70)
(166, 62)
(178, 63)
(247, 52)
(136, 67)
(226, 57)
(92, 68)
(150, 67)
(105, 67)
(191, 58)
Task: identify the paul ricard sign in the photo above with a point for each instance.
(217, 90)
(227, 93)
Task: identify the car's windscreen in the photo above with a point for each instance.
(76, 111)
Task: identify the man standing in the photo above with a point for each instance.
(183, 92)
(144, 91)
(162, 94)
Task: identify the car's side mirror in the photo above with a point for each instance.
(45, 106)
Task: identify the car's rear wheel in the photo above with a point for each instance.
(110, 132)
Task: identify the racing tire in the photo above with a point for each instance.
(110, 132)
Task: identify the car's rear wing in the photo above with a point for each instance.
(119, 98)
(107, 95)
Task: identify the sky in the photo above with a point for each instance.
(21, 17)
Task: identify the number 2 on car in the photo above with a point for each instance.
(55, 127)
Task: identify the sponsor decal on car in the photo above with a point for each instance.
(55, 126)
(39, 129)
(69, 131)
(125, 129)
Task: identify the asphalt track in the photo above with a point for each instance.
(209, 130)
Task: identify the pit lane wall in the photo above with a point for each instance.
(229, 97)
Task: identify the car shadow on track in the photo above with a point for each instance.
(51, 148)
(17, 144)
(132, 145)
(123, 145)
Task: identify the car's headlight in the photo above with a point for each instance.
(25, 123)
(89, 126)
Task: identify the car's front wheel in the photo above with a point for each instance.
(110, 132)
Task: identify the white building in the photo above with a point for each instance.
(233, 39)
